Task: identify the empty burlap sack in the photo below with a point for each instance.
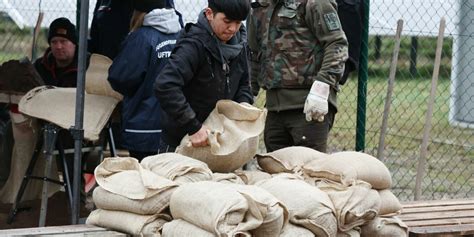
(104, 199)
(308, 206)
(127, 222)
(291, 230)
(289, 159)
(58, 106)
(215, 207)
(96, 77)
(181, 228)
(230, 178)
(389, 203)
(252, 176)
(348, 166)
(355, 205)
(385, 227)
(233, 136)
(126, 177)
(176, 167)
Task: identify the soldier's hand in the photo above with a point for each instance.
(316, 105)
(199, 139)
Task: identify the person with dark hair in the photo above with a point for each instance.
(145, 51)
(208, 63)
(298, 51)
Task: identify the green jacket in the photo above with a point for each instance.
(293, 43)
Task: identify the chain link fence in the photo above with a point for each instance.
(449, 170)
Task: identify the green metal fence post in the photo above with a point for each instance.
(362, 82)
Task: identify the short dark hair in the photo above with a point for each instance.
(148, 5)
(232, 9)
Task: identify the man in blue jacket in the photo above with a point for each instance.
(144, 53)
(208, 63)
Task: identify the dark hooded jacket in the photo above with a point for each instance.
(200, 71)
(133, 72)
(54, 76)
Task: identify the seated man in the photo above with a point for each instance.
(57, 67)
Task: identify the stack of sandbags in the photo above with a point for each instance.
(233, 135)
(129, 198)
(359, 186)
(218, 209)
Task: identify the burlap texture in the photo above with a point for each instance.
(229, 178)
(126, 177)
(181, 228)
(23, 148)
(389, 203)
(350, 233)
(215, 207)
(385, 227)
(233, 136)
(289, 159)
(57, 105)
(178, 168)
(291, 230)
(251, 177)
(349, 166)
(106, 200)
(308, 206)
(96, 77)
(127, 222)
(354, 205)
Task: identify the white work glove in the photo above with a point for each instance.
(316, 105)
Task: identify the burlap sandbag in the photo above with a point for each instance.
(308, 206)
(233, 136)
(289, 159)
(38, 103)
(355, 205)
(385, 227)
(389, 203)
(251, 177)
(181, 228)
(23, 148)
(104, 199)
(229, 178)
(176, 167)
(126, 177)
(348, 166)
(215, 207)
(96, 77)
(350, 233)
(291, 230)
(127, 222)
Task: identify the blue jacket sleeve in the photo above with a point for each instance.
(129, 67)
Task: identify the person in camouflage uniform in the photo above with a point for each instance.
(298, 50)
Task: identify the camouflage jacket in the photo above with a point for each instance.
(295, 42)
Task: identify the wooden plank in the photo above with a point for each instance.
(51, 230)
(450, 229)
(438, 203)
(438, 215)
(437, 209)
(439, 222)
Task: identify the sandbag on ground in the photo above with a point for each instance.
(176, 167)
(289, 159)
(230, 178)
(181, 228)
(233, 136)
(389, 203)
(308, 206)
(291, 230)
(126, 177)
(349, 166)
(127, 222)
(251, 177)
(385, 227)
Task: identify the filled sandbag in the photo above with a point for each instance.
(181, 228)
(233, 135)
(127, 222)
(385, 227)
(389, 203)
(348, 166)
(291, 230)
(106, 200)
(230, 178)
(350, 233)
(289, 159)
(222, 210)
(126, 177)
(251, 177)
(308, 206)
(96, 77)
(178, 168)
(354, 205)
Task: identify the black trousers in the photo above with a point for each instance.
(290, 128)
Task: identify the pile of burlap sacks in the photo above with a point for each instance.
(204, 192)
